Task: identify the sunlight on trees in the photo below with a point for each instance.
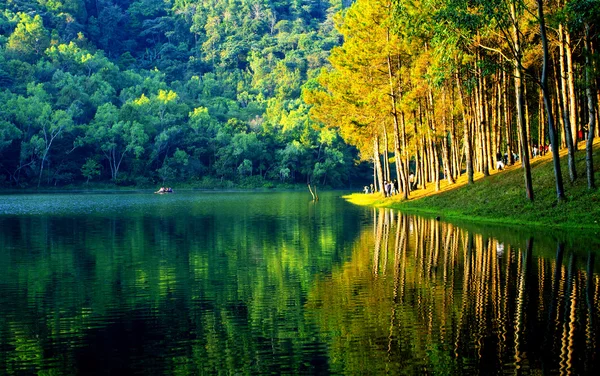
(452, 87)
(423, 91)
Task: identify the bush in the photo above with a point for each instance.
(255, 181)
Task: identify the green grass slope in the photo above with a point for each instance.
(500, 198)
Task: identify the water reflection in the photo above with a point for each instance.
(193, 284)
(276, 284)
(422, 296)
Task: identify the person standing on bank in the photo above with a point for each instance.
(499, 161)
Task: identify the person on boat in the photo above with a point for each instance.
(169, 190)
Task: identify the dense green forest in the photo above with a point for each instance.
(259, 92)
(144, 92)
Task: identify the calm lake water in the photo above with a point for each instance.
(272, 283)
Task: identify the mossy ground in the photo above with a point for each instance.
(500, 197)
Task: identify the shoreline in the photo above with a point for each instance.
(379, 202)
(499, 199)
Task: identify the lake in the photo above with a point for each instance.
(272, 283)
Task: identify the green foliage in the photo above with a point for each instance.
(90, 169)
(155, 91)
(29, 39)
(8, 134)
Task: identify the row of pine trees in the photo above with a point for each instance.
(446, 87)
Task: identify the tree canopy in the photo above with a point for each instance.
(294, 91)
(137, 92)
(452, 87)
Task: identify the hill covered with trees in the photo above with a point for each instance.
(260, 91)
(141, 92)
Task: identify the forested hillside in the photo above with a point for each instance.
(141, 92)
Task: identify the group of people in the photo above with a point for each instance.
(542, 150)
(165, 190)
(502, 160)
(390, 188)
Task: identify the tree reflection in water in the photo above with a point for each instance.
(274, 284)
(423, 296)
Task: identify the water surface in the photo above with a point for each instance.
(272, 283)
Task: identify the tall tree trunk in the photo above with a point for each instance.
(436, 164)
(424, 165)
(454, 142)
(527, 120)
(593, 51)
(494, 123)
(386, 157)
(446, 160)
(487, 126)
(431, 133)
(47, 146)
(498, 117)
(466, 131)
(405, 163)
(445, 148)
(482, 105)
(397, 153)
(566, 105)
(571, 84)
(485, 154)
(417, 157)
(518, 81)
(403, 137)
(557, 105)
(508, 121)
(542, 130)
(377, 161)
(477, 110)
(456, 155)
(589, 156)
(455, 151)
(560, 194)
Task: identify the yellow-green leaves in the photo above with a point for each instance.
(166, 96)
(30, 38)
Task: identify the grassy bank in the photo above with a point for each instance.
(500, 198)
